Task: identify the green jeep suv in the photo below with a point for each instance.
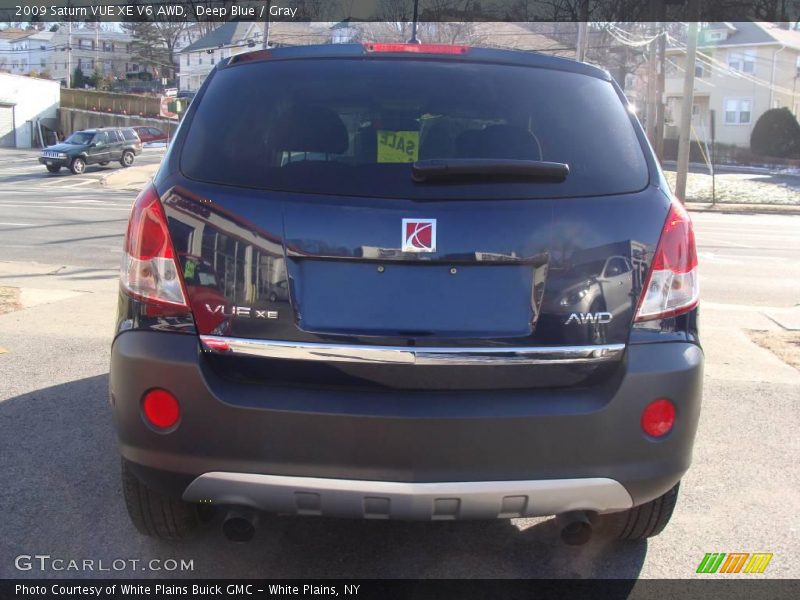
(93, 146)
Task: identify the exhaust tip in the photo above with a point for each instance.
(239, 526)
(576, 528)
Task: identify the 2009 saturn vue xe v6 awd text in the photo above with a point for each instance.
(407, 282)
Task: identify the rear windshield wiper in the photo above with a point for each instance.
(455, 169)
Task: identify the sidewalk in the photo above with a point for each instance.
(133, 178)
(744, 209)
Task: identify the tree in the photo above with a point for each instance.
(78, 80)
(776, 133)
(153, 45)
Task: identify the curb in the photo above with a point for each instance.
(744, 209)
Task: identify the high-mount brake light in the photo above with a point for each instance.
(416, 48)
(672, 286)
(150, 271)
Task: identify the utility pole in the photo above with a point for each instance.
(583, 32)
(684, 138)
(265, 31)
(414, 19)
(652, 119)
(69, 54)
(662, 59)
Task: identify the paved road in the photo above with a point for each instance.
(59, 485)
(62, 218)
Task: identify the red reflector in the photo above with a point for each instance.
(417, 48)
(658, 417)
(161, 409)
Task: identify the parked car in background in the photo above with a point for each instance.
(150, 134)
(407, 281)
(92, 146)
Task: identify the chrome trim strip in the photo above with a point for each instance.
(403, 355)
(360, 499)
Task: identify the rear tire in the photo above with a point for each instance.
(640, 522)
(53, 168)
(78, 166)
(155, 514)
(127, 158)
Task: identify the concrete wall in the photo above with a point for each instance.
(33, 99)
(72, 119)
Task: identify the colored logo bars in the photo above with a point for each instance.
(735, 562)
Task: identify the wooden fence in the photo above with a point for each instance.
(108, 102)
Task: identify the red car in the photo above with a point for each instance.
(151, 134)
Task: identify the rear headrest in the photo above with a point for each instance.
(498, 141)
(310, 129)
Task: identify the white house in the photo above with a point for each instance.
(198, 58)
(23, 102)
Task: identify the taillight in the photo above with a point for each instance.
(416, 48)
(149, 270)
(672, 285)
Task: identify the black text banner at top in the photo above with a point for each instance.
(334, 11)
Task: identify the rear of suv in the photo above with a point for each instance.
(400, 281)
(93, 146)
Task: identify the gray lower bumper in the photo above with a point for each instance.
(351, 498)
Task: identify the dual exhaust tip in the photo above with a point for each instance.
(239, 525)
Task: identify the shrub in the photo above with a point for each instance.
(776, 133)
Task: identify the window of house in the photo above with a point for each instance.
(108, 46)
(698, 70)
(199, 59)
(187, 60)
(738, 111)
(42, 63)
(86, 44)
(743, 61)
(715, 36)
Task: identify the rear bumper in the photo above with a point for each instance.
(360, 499)
(290, 448)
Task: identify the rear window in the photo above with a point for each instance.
(354, 126)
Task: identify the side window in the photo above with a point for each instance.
(100, 138)
(155, 132)
(129, 134)
(114, 137)
(617, 265)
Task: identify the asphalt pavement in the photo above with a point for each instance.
(59, 474)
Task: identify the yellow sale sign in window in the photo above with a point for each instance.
(397, 146)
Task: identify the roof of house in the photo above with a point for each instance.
(749, 34)
(516, 37)
(225, 35)
(293, 33)
(15, 34)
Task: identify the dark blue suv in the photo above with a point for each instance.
(396, 281)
